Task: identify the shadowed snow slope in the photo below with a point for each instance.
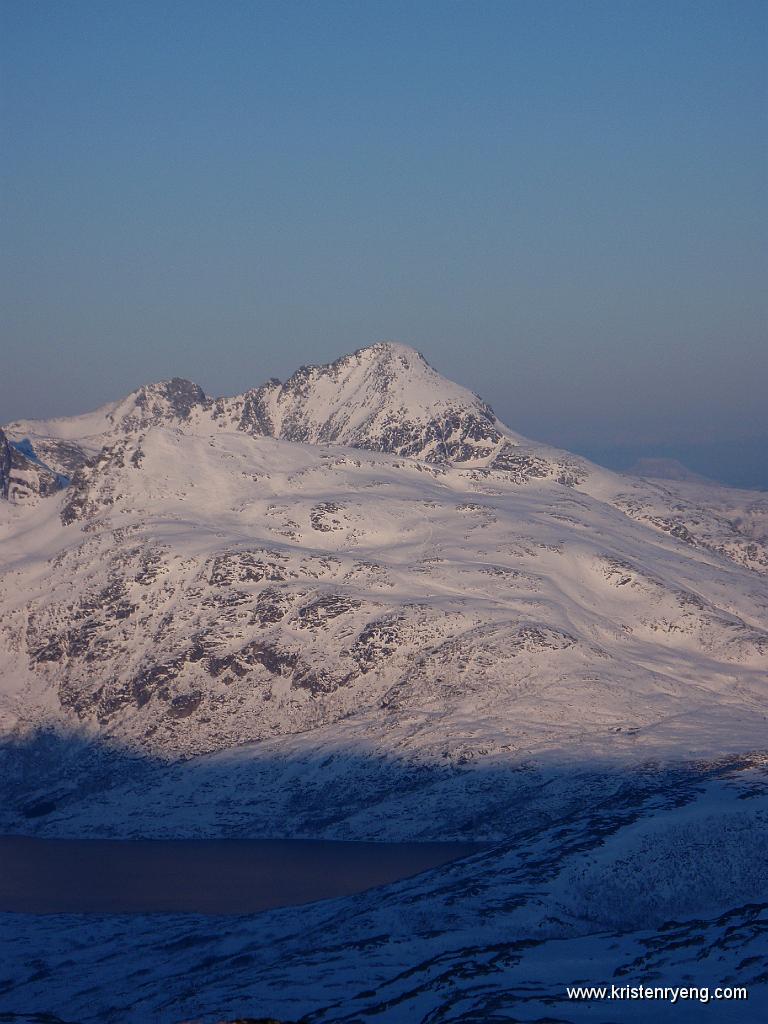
(495, 937)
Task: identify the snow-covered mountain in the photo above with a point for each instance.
(357, 605)
(223, 571)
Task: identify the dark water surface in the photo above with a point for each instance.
(207, 876)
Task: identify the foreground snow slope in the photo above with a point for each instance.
(665, 884)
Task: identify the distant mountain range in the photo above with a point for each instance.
(666, 469)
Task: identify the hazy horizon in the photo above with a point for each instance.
(739, 463)
(562, 206)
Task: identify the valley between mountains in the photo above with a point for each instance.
(356, 605)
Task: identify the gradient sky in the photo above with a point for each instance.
(562, 204)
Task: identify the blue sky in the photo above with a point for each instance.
(562, 204)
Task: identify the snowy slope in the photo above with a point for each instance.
(188, 593)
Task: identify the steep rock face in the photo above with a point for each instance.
(24, 478)
(31, 480)
(62, 457)
(5, 466)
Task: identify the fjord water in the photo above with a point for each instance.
(206, 876)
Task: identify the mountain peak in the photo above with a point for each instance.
(391, 350)
(158, 403)
(385, 397)
(387, 360)
(179, 394)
